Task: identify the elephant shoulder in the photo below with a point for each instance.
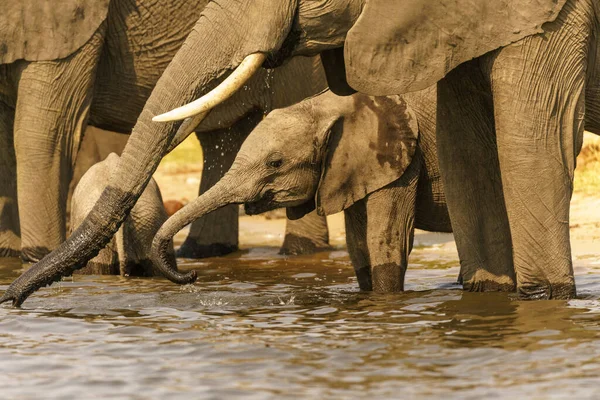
(36, 30)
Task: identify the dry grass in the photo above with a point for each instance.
(179, 173)
(187, 157)
(587, 174)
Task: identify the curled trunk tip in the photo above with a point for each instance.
(206, 203)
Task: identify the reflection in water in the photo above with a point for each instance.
(262, 325)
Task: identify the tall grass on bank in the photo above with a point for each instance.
(187, 157)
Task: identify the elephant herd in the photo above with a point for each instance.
(444, 116)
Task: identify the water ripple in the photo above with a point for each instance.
(259, 326)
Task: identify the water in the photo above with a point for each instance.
(259, 325)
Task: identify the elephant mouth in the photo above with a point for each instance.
(258, 207)
(265, 203)
(272, 200)
(299, 211)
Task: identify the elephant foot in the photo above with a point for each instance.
(488, 286)
(34, 254)
(190, 249)
(558, 291)
(10, 244)
(363, 276)
(388, 278)
(9, 252)
(95, 268)
(299, 245)
(142, 268)
(484, 281)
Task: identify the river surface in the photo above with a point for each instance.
(258, 325)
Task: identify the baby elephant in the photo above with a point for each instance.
(372, 157)
(127, 254)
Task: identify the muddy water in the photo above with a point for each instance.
(259, 325)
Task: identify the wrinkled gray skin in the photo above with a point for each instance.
(305, 155)
(45, 105)
(127, 254)
(526, 83)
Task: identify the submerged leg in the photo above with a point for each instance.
(539, 97)
(306, 235)
(390, 229)
(355, 219)
(471, 176)
(10, 236)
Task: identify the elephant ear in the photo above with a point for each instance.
(36, 30)
(366, 151)
(402, 46)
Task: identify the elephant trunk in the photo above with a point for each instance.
(144, 150)
(220, 195)
(207, 56)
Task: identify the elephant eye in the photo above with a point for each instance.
(276, 163)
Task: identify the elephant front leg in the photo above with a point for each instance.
(538, 88)
(105, 263)
(390, 229)
(380, 232)
(471, 177)
(10, 240)
(306, 235)
(52, 107)
(355, 219)
(216, 234)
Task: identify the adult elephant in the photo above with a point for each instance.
(527, 77)
(96, 62)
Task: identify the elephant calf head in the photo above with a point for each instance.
(326, 152)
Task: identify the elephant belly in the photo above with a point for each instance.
(142, 37)
(431, 210)
(8, 86)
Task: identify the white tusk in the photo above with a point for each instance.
(225, 90)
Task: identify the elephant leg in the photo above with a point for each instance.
(10, 236)
(380, 233)
(52, 107)
(471, 177)
(105, 263)
(390, 229)
(306, 235)
(539, 100)
(592, 111)
(216, 234)
(355, 219)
